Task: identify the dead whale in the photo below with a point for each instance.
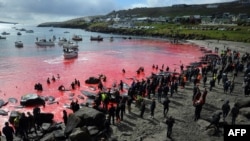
(3, 113)
(2, 103)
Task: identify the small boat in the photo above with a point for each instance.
(2, 37)
(69, 53)
(66, 32)
(5, 33)
(44, 42)
(51, 30)
(29, 31)
(19, 33)
(98, 38)
(62, 41)
(70, 45)
(77, 38)
(19, 44)
(22, 29)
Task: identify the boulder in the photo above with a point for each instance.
(245, 112)
(245, 102)
(73, 122)
(85, 116)
(59, 135)
(80, 134)
(91, 117)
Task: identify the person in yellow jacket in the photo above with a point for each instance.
(16, 125)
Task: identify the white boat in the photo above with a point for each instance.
(70, 45)
(44, 42)
(19, 44)
(77, 38)
(70, 53)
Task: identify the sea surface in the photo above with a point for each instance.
(22, 68)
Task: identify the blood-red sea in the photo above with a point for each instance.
(19, 73)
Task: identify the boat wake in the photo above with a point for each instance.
(56, 60)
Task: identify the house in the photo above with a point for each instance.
(212, 6)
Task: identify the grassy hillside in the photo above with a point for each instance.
(232, 7)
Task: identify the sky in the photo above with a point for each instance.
(39, 11)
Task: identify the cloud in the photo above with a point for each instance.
(37, 11)
(54, 9)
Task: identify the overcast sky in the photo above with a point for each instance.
(38, 11)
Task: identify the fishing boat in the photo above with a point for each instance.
(5, 33)
(70, 45)
(2, 37)
(19, 44)
(77, 38)
(69, 53)
(44, 42)
(98, 38)
(62, 41)
(29, 31)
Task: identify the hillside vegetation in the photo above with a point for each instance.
(169, 30)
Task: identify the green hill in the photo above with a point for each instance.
(182, 9)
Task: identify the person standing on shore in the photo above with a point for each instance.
(225, 109)
(234, 112)
(165, 106)
(65, 117)
(8, 131)
(152, 108)
(170, 123)
(142, 108)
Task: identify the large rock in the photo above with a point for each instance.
(80, 134)
(73, 122)
(91, 117)
(245, 112)
(245, 102)
(85, 116)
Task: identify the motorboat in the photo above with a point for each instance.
(29, 31)
(44, 42)
(77, 38)
(98, 38)
(5, 33)
(2, 37)
(19, 44)
(70, 45)
(70, 53)
(62, 41)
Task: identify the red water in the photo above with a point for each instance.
(21, 77)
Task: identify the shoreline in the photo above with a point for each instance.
(148, 129)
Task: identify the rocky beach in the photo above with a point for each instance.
(135, 128)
